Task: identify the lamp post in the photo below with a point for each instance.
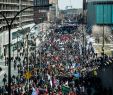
(17, 44)
(9, 64)
(13, 51)
(27, 57)
(9, 25)
(103, 36)
(35, 52)
(40, 56)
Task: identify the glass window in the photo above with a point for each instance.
(104, 14)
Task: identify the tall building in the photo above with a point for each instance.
(70, 15)
(55, 4)
(40, 14)
(25, 20)
(84, 12)
(54, 10)
(84, 5)
(101, 11)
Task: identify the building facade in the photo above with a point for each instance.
(70, 15)
(54, 10)
(101, 11)
(25, 20)
(84, 5)
(40, 14)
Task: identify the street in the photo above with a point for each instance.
(56, 47)
(58, 60)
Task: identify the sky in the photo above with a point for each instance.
(74, 3)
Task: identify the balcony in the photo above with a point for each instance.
(9, 3)
(1, 25)
(5, 10)
(27, 15)
(27, 20)
(25, 4)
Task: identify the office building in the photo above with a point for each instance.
(23, 21)
(53, 13)
(70, 15)
(100, 12)
(40, 14)
(84, 5)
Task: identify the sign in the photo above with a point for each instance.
(65, 89)
(27, 75)
(95, 73)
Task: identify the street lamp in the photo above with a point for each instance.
(103, 35)
(27, 56)
(17, 45)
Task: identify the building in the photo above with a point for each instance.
(84, 12)
(55, 6)
(53, 10)
(70, 14)
(40, 14)
(84, 5)
(23, 22)
(101, 11)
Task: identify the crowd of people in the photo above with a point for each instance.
(61, 66)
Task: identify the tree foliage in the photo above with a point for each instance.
(97, 32)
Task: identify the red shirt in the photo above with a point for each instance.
(52, 93)
(59, 93)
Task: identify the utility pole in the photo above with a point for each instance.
(9, 64)
(83, 30)
(103, 36)
(35, 51)
(27, 58)
(17, 45)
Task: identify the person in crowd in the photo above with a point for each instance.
(58, 63)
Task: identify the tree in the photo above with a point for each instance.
(97, 32)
